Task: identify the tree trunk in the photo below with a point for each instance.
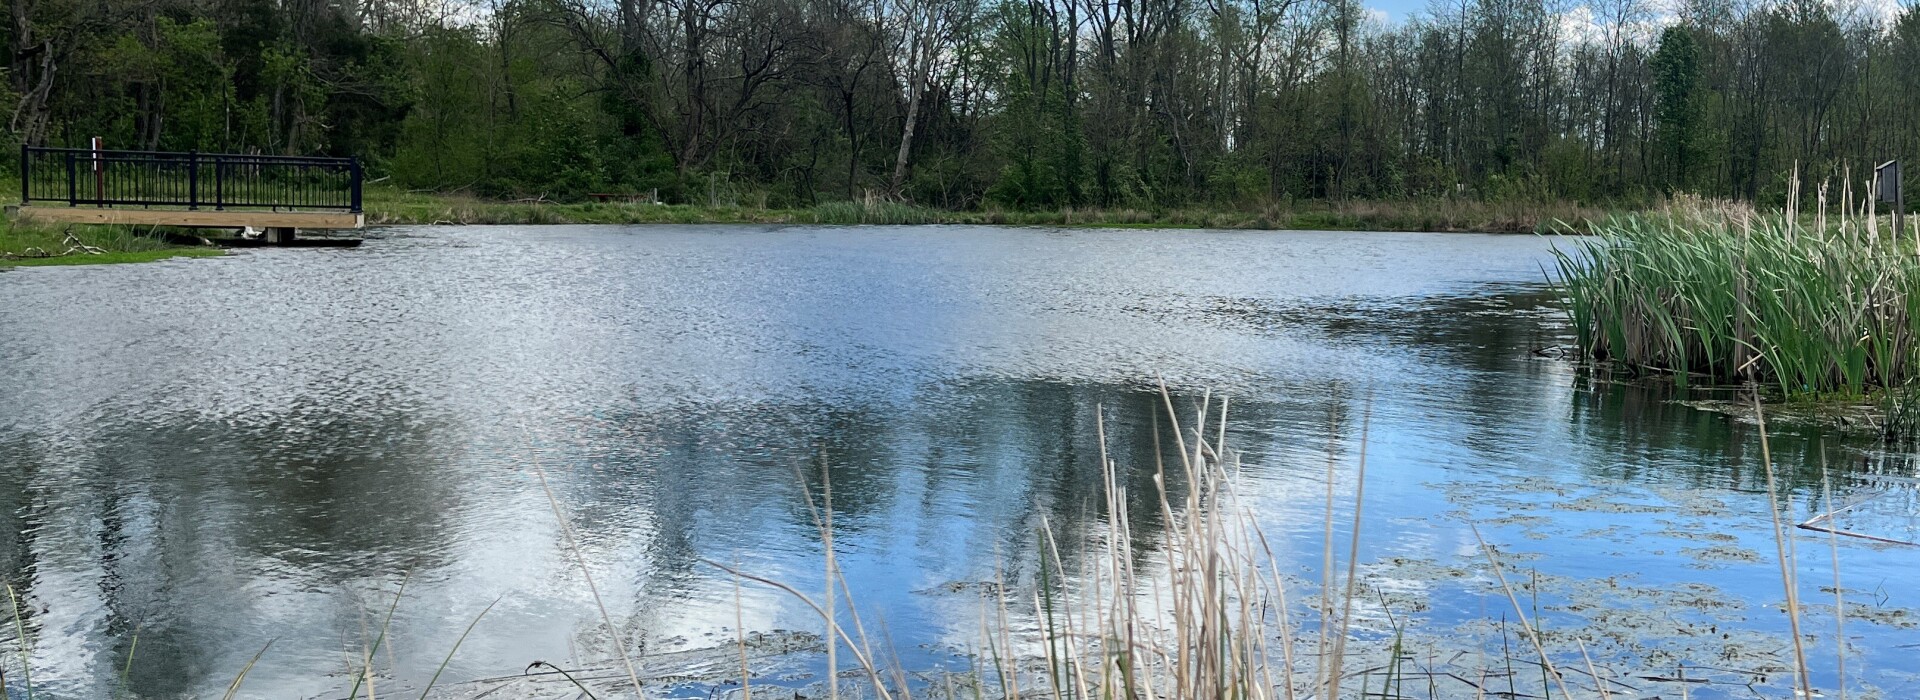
(33, 68)
(693, 22)
(919, 61)
(632, 26)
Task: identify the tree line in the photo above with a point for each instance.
(1007, 103)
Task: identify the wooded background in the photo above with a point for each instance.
(1008, 103)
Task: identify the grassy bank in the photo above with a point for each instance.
(388, 206)
(28, 244)
(1811, 306)
(45, 244)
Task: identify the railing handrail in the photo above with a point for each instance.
(149, 186)
(209, 155)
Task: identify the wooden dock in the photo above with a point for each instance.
(190, 218)
(278, 195)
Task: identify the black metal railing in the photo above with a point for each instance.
(84, 177)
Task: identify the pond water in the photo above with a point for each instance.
(208, 455)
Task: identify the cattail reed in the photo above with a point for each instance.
(1705, 294)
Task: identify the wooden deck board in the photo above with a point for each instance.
(199, 218)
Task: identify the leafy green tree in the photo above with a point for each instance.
(1676, 79)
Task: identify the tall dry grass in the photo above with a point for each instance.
(1212, 616)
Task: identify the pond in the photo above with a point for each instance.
(205, 456)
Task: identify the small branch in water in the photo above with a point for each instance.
(563, 672)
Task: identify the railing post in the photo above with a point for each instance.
(353, 169)
(219, 184)
(193, 179)
(99, 165)
(73, 183)
(26, 167)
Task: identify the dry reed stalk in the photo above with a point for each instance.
(1353, 558)
(740, 636)
(1047, 640)
(573, 545)
(1525, 626)
(1320, 680)
(825, 524)
(1098, 608)
(1598, 682)
(1822, 204)
(1071, 656)
(1012, 674)
(1846, 198)
(368, 652)
(1839, 595)
(1286, 629)
(1780, 537)
(1128, 584)
(1183, 653)
(26, 651)
(872, 670)
(1873, 220)
(1115, 520)
(859, 629)
(822, 515)
(233, 689)
(1793, 200)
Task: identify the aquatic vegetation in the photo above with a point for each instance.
(876, 212)
(1808, 308)
(386, 206)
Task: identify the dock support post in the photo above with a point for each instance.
(279, 235)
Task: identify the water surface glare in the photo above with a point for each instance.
(206, 455)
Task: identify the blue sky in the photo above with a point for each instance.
(1397, 9)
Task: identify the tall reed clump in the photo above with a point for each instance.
(1734, 296)
(1208, 614)
(1205, 626)
(877, 211)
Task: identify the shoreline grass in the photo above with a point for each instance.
(396, 207)
(33, 244)
(24, 244)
